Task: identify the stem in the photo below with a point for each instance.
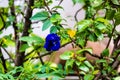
(29, 53)
(12, 11)
(75, 16)
(111, 35)
(41, 60)
(20, 55)
(116, 62)
(60, 2)
(116, 41)
(47, 7)
(98, 76)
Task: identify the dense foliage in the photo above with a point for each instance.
(29, 47)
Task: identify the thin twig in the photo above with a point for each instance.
(3, 61)
(75, 16)
(8, 54)
(111, 34)
(118, 54)
(47, 7)
(58, 5)
(27, 25)
(60, 2)
(12, 11)
(116, 62)
(98, 76)
(116, 46)
(93, 55)
(29, 53)
(41, 60)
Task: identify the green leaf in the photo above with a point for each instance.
(55, 78)
(92, 37)
(100, 26)
(83, 25)
(23, 47)
(46, 25)
(69, 65)
(116, 53)
(45, 75)
(81, 58)
(104, 72)
(99, 34)
(32, 39)
(102, 20)
(55, 18)
(43, 68)
(11, 77)
(81, 42)
(8, 42)
(7, 24)
(1, 23)
(78, 63)
(110, 14)
(83, 67)
(53, 29)
(96, 3)
(40, 16)
(101, 61)
(29, 50)
(78, 1)
(17, 69)
(105, 52)
(66, 55)
(58, 7)
(58, 73)
(11, 18)
(88, 64)
(3, 76)
(117, 78)
(1, 68)
(115, 2)
(1, 32)
(88, 77)
(75, 1)
(118, 58)
(60, 66)
(84, 50)
(95, 72)
(4, 17)
(117, 18)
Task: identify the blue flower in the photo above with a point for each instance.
(52, 42)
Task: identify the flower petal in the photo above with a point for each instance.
(52, 42)
(56, 46)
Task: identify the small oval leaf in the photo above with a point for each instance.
(66, 55)
(46, 25)
(40, 16)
